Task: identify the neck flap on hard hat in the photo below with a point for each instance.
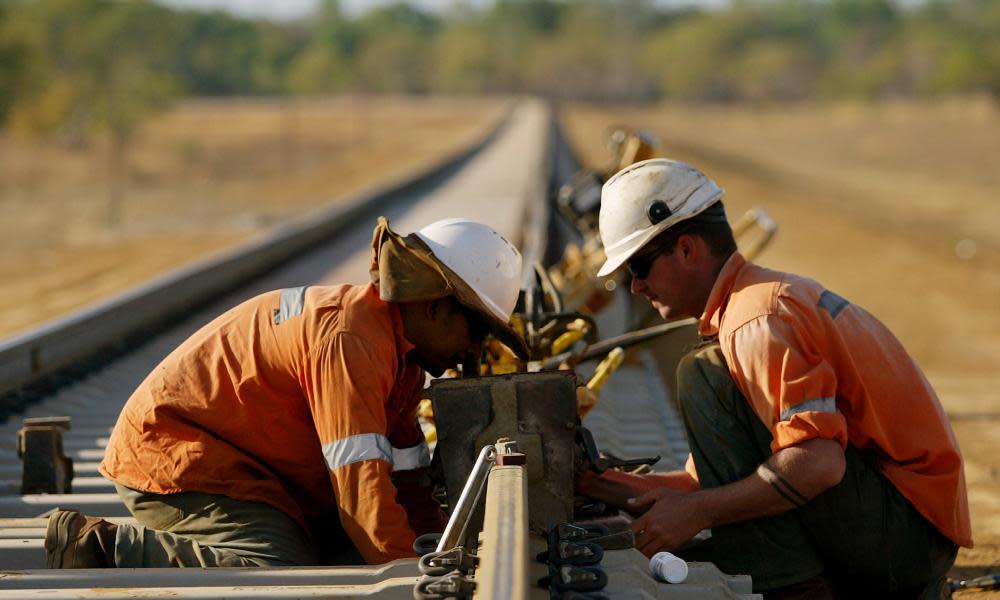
(403, 268)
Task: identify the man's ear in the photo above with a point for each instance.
(686, 247)
(435, 309)
(431, 309)
(692, 249)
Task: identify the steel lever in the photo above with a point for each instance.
(458, 524)
(599, 463)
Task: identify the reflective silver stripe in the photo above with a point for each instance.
(832, 303)
(826, 405)
(356, 448)
(414, 457)
(290, 304)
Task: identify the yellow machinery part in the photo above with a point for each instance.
(606, 368)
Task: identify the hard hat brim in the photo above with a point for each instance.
(621, 257)
(501, 330)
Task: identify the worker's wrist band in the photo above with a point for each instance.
(781, 485)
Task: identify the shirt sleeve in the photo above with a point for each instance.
(411, 457)
(349, 386)
(790, 384)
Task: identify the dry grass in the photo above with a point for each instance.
(882, 203)
(202, 177)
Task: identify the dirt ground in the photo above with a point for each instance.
(200, 178)
(894, 207)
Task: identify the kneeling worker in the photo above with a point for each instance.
(296, 405)
(821, 459)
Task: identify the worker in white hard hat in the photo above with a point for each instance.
(821, 459)
(284, 432)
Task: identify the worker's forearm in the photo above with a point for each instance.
(414, 494)
(674, 480)
(376, 523)
(749, 498)
(789, 479)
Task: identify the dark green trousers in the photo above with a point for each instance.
(193, 529)
(862, 534)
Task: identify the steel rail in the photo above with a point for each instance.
(503, 553)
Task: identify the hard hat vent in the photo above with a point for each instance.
(658, 211)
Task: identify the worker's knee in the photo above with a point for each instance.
(703, 377)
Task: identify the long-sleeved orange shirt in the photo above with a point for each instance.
(300, 398)
(813, 365)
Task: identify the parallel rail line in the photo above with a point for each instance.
(38, 361)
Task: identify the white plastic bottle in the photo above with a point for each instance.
(667, 567)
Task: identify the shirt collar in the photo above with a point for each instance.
(403, 345)
(710, 320)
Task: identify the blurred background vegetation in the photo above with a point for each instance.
(72, 67)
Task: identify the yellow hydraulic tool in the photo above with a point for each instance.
(587, 395)
(573, 334)
(606, 368)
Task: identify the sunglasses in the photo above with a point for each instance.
(639, 266)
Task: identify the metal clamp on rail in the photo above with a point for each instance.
(568, 578)
(442, 563)
(457, 528)
(451, 585)
(574, 570)
(580, 554)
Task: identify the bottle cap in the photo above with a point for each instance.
(667, 567)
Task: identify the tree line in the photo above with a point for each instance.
(74, 65)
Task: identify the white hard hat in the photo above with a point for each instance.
(484, 259)
(643, 200)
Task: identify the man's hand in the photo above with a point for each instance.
(669, 519)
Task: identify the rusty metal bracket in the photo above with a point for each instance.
(572, 553)
(45, 469)
(568, 578)
(451, 585)
(442, 563)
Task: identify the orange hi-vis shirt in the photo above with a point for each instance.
(813, 365)
(300, 398)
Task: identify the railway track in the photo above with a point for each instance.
(86, 366)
